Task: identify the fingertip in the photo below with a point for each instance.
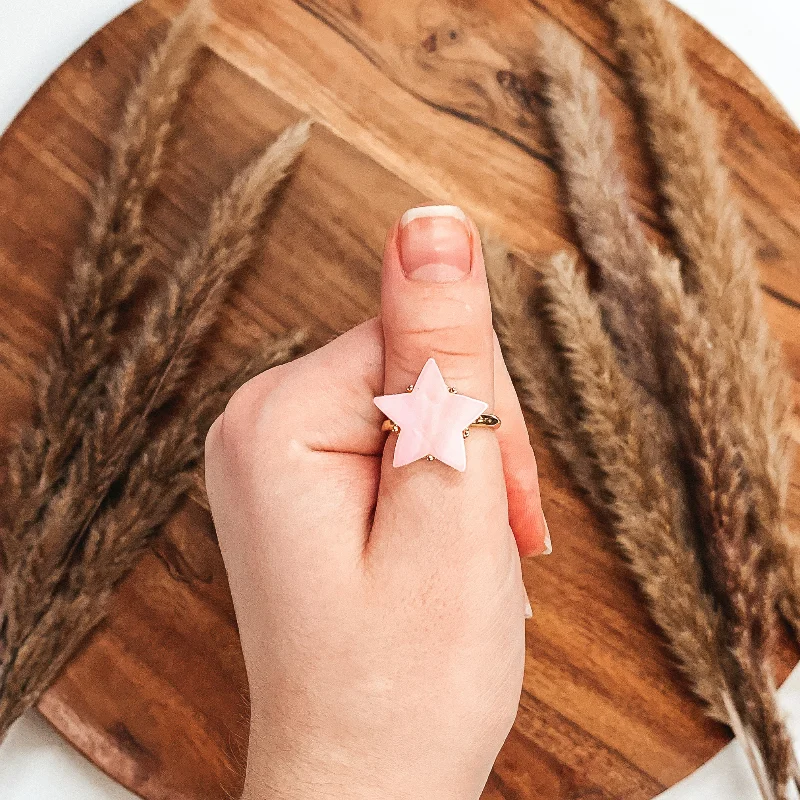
(525, 515)
(520, 469)
(433, 244)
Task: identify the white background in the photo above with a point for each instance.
(37, 35)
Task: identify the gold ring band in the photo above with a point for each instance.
(483, 421)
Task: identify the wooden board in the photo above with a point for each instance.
(421, 100)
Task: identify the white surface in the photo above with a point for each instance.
(37, 35)
(727, 776)
(37, 764)
(763, 33)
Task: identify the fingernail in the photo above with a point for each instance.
(528, 609)
(435, 244)
(548, 544)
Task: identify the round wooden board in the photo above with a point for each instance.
(422, 100)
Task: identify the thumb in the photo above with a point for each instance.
(437, 328)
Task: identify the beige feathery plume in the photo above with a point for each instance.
(599, 204)
(97, 471)
(700, 375)
(597, 195)
(597, 418)
(148, 373)
(643, 497)
(105, 271)
(720, 264)
(683, 139)
(700, 385)
(37, 648)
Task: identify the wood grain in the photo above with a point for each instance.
(422, 100)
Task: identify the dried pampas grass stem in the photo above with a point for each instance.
(159, 475)
(699, 385)
(620, 467)
(99, 470)
(683, 140)
(597, 197)
(147, 375)
(719, 266)
(106, 269)
(706, 370)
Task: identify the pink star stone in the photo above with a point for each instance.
(431, 419)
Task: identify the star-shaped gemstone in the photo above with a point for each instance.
(432, 420)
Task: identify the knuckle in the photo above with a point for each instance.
(239, 422)
(237, 419)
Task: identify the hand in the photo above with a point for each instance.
(380, 609)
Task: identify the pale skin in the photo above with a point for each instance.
(381, 609)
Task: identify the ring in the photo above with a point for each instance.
(432, 420)
(483, 421)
